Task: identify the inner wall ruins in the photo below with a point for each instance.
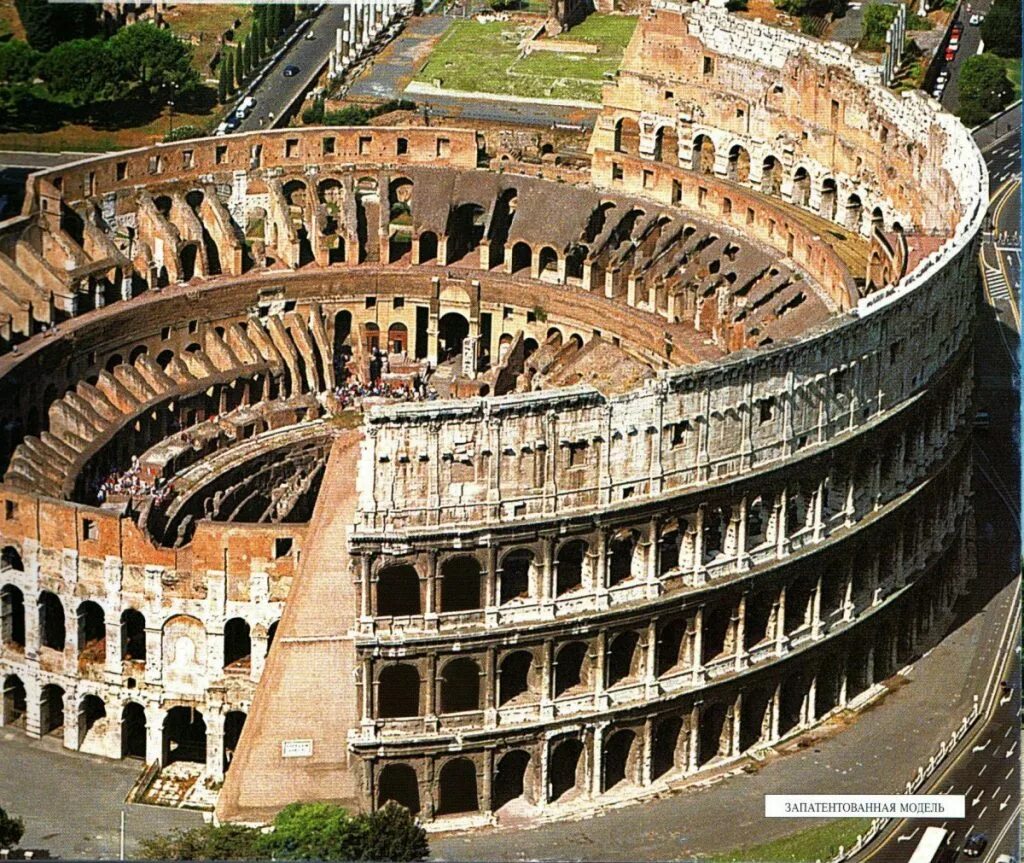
(697, 474)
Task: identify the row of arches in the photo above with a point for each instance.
(92, 631)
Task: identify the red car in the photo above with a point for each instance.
(950, 54)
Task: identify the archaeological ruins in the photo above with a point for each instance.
(688, 469)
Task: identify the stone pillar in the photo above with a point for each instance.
(780, 622)
(430, 713)
(491, 578)
(737, 713)
(547, 681)
(740, 629)
(648, 751)
(154, 655)
(597, 759)
(817, 624)
(365, 587)
(600, 657)
(154, 734)
(369, 685)
(215, 744)
(490, 687)
(694, 747)
(70, 729)
(112, 657)
(258, 656)
(429, 611)
(698, 646)
(485, 781)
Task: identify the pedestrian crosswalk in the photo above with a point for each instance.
(996, 282)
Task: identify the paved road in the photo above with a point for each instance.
(970, 40)
(71, 803)
(275, 93)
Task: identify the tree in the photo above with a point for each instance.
(314, 831)
(226, 842)
(11, 830)
(239, 66)
(984, 88)
(393, 834)
(273, 22)
(257, 41)
(18, 61)
(1001, 30)
(47, 24)
(222, 81)
(152, 60)
(877, 18)
(229, 71)
(248, 53)
(81, 72)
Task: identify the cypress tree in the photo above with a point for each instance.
(222, 82)
(247, 51)
(229, 61)
(273, 22)
(257, 42)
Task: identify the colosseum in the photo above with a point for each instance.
(376, 465)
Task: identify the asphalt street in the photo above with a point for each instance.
(275, 94)
(970, 41)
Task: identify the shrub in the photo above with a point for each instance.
(183, 133)
(11, 830)
(226, 842)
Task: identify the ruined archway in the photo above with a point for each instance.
(52, 628)
(398, 691)
(460, 686)
(569, 567)
(398, 782)
(509, 778)
(514, 676)
(133, 731)
(12, 617)
(461, 584)
(515, 575)
(457, 787)
(184, 736)
(452, 330)
(398, 591)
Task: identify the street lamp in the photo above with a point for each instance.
(170, 117)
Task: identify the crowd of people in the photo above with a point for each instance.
(353, 391)
(130, 482)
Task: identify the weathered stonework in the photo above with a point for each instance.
(711, 482)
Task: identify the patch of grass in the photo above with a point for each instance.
(820, 842)
(485, 58)
(202, 24)
(1013, 72)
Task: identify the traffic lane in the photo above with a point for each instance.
(1007, 122)
(1003, 160)
(276, 92)
(970, 39)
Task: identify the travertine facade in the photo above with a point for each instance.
(700, 474)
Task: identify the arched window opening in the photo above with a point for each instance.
(664, 751)
(622, 654)
(515, 575)
(92, 632)
(398, 591)
(569, 567)
(52, 628)
(703, 155)
(133, 635)
(457, 787)
(619, 761)
(522, 256)
(510, 778)
(570, 673)
(237, 644)
(428, 247)
(739, 164)
(398, 692)
(565, 770)
(51, 709)
(398, 782)
(671, 639)
(12, 617)
(15, 702)
(620, 557)
(627, 137)
(452, 330)
(514, 679)
(133, 731)
(771, 176)
(460, 584)
(801, 187)
(90, 711)
(184, 736)
(460, 686)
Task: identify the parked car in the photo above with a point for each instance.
(958, 28)
(976, 19)
(291, 71)
(950, 54)
(310, 35)
(976, 843)
(942, 78)
(982, 420)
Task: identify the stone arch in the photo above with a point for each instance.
(398, 782)
(621, 550)
(10, 559)
(703, 159)
(739, 164)
(237, 644)
(666, 145)
(398, 591)
(854, 212)
(801, 195)
(622, 657)
(189, 256)
(133, 635)
(461, 583)
(234, 722)
(671, 641)
(510, 778)
(398, 338)
(371, 336)
(771, 176)
(665, 746)
(514, 676)
(133, 731)
(184, 736)
(51, 709)
(522, 257)
(571, 671)
(466, 230)
(627, 136)
(460, 685)
(711, 731)
(514, 578)
(829, 198)
(456, 787)
(52, 626)
(400, 217)
(620, 760)
(670, 543)
(452, 330)
(92, 631)
(428, 246)
(165, 358)
(755, 717)
(15, 701)
(91, 710)
(398, 691)
(547, 261)
(113, 361)
(12, 617)
(566, 768)
(569, 566)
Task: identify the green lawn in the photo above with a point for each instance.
(820, 842)
(485, 58)
(1013, 73)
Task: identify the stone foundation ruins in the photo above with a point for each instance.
(692, 471)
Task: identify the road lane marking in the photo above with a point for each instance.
(983, 746)
(983, 767)
(1011, 750)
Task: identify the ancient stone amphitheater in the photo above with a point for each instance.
(697, 475)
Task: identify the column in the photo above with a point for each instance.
(430, 706)
(698, 646)
(490, 687)
(215, 744)
(429, 612)
(71, 740)
(600, 655)
(780, 622)
(368, 689)
(112, 657)
(648, 750)
(485, 781)
(597, 759)
(154, 653)
(740, 629)
(365, 587)
(258, 657)
(491, 578)
(547, 681)
(694, 747)
(816, 621)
